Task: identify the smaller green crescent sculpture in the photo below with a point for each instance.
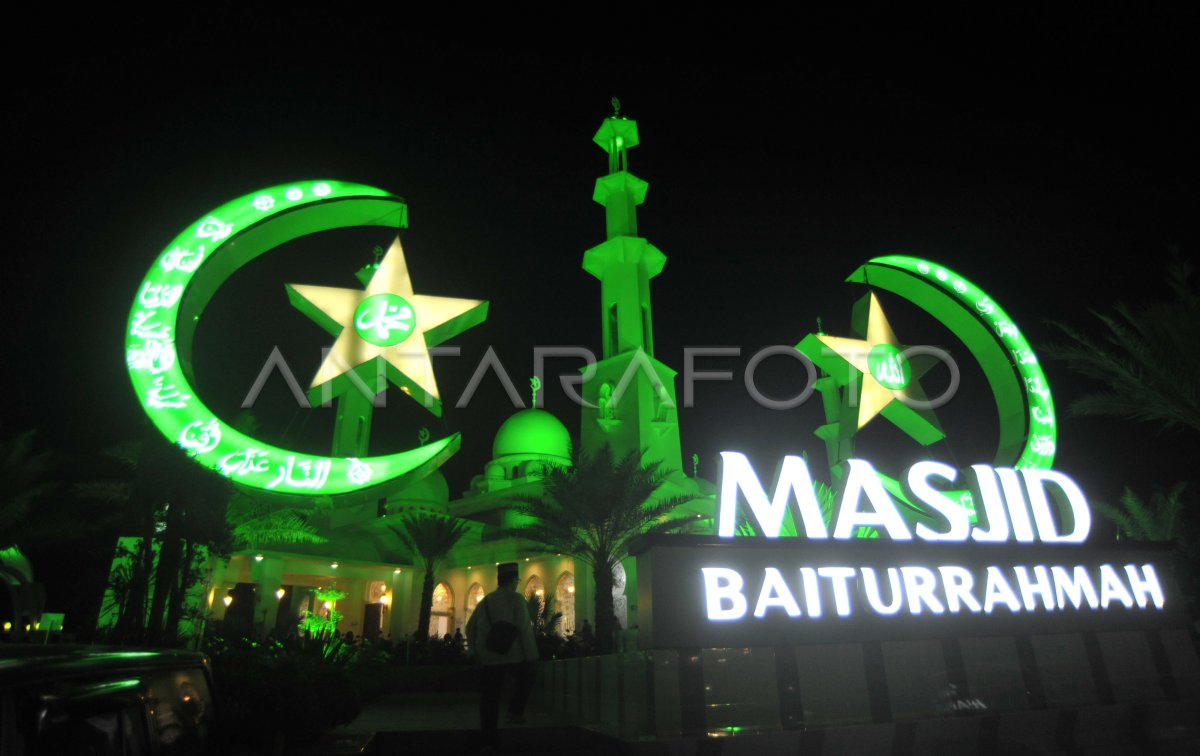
(174, 293)
(887, 382)
(1024, 404)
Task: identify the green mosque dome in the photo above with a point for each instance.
(532, 431)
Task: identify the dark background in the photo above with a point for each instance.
(1048, 158)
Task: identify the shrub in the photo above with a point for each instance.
(272, 693)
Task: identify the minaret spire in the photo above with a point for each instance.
(632, 397)
(625, 263)
(620, 191)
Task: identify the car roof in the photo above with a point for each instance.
(22, 663)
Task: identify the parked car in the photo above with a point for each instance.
(81, 700)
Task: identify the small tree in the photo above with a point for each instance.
(430, 539)
(324, 627)
(547, 626)
(546, 619)
(593, 511)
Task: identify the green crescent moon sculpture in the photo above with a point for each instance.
(173, 295)
(1025, 407)
(1028, 435)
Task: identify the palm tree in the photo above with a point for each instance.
(1147, 359)
(22, 479)
(168, 502)
(592, 511)
(257, 522)
(1162, 518)
(429, 538)
(1159, 519)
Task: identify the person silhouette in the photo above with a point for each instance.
(503, 605)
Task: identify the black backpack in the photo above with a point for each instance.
(501, 635)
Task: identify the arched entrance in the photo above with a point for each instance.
(441, 618)
(564, 601)
(475, 594)
(535, 587)
(620, 602)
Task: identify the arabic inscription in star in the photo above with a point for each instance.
(387, 321)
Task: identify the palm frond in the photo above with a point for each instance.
(107, 491)
(1146, 358)
(259, 522)
(22, 479)
(22, 471)
(1158, 519)
(429, 537)
(595, 508)
(283, 526)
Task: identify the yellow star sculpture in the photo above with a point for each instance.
(386, 320)
(888, 380)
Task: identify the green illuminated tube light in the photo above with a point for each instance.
(171, 299)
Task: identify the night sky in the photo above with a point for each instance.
(1049, 160)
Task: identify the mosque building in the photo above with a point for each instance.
(629, 406)
(870, 601)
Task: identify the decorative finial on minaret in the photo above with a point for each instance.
(620, 191)
(535, 384)
(695, 465)
(820, 331)
(365, 273)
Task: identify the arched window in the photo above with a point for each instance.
(441, 619)
(620, 602)
(375, 591)
(564, 601)
(534, 586)
(475, 594)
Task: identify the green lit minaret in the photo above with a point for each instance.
(633, 394)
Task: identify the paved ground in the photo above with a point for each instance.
(429, 712)
(446, 724)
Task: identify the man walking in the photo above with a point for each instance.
(503, 612)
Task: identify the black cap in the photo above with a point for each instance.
(506, 572)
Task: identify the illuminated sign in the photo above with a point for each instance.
(181, 282)
(915, 590)
(1021, 556)
(870, 567)
(934, 551)
(1015, 503)
(711, 592)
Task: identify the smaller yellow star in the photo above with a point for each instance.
(386, 320)
(888, 382)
